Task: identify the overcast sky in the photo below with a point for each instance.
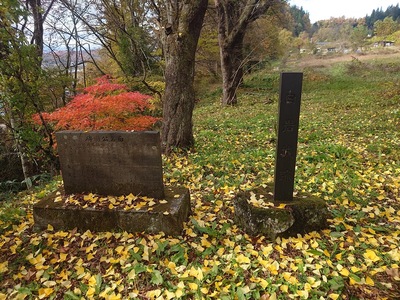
(324, 9)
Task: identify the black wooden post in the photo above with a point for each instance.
(288, 127)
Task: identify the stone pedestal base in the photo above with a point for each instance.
(166, 217)
(304, 214)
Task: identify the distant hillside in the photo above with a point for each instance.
(60, 58)
(379, 14)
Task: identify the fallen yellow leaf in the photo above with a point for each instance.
(193, 286)
(369, 281)
(333, 296)
(132, 274)
(371, 255)
(242, 259)
(153, 294)
(45, 292)
(303, 294)
(113, 296)
(284, 288)
(90, 292)
(263, 283)
(169, 295)
(4, 267)
(344, 272)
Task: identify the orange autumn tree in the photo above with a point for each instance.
(103, 106)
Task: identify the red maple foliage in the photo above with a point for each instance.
(103, 106)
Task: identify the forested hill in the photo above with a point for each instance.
(379, 15)
(302, 21)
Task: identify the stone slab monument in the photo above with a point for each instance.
(113, 164)
(288, 214)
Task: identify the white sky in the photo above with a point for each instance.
(324, 9)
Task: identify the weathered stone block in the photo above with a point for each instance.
(111, 162)
(257, 220)
(305, 213)
(167, 217)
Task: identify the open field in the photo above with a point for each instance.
(327, 60)
(349, 155)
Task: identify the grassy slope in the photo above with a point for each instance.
(349, 154)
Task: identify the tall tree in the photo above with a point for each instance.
(301, 20)
(268, 45)
(70, 49)
(124, 28)
(234, 16)
(126, 22)
(181, 23)
(358, 37)
(21, 82)
(207, 55)
(120, 28)
(386, 27)
(39, 13)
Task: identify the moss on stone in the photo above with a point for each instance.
(304, 214)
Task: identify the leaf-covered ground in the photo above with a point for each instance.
(349, 155)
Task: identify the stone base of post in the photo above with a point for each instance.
(305, 213)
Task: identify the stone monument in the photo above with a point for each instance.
(288, 215)
(113, 164)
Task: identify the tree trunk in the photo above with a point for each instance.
(39, 14)
(178, 100)
(181, 34)
(37, 38)
(233, 18)
(21, 153)
(232, 71)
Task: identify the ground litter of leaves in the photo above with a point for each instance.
(126, 202)
(347, 156)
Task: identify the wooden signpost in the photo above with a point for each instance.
(302, 212)
(288, 127)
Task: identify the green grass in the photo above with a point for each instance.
(348, 154)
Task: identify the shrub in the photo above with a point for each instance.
(103, 106)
